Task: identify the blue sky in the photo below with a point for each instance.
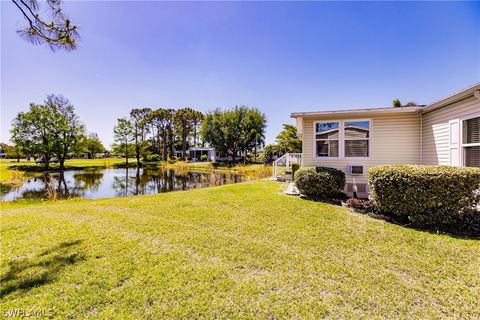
(278, 57)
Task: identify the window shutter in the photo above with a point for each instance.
(454, 149)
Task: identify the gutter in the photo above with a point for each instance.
(389, 110)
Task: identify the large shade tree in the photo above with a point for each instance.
(48, 130)
(238, 130)
(67, 128)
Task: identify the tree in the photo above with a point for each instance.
(240, 129)
(11, 151)
(161, 121)
(288, 141)
(254, 127)
(124, 135)
(92, 145)
(183, 126)
(269, 151)
(57, 32)
(32, 131)
(48, 130)
(197, 118)
(396, 103)
(66, 126)
(139, 122)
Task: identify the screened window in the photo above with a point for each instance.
(326, 139)
(357, 138)
(471, 142)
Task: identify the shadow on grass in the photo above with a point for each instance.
(25, 274)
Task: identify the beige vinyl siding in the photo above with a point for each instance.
(436, 132)
(395, 138)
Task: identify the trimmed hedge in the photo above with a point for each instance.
(338, 176)
(427, 195)
(316, 185)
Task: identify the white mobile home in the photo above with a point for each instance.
(445, 132)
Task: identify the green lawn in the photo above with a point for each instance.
(236, 251)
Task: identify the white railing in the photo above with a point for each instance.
(285, 162)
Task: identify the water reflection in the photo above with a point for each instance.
(104, 183)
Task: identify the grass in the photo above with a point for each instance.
(235, 251)
(71, 163)
(10, 178)
(250, 171)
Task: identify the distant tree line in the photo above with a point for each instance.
(53, 130)
(163, 131)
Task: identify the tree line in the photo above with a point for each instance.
(236, 133)
(53, 130)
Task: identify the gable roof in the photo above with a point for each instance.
(457, 96)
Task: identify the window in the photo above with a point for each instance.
(357, 138)
(471, 142)
(327, 136)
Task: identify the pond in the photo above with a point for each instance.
(107, 183)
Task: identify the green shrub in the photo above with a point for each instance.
(204, 158)
(338, 176)
(315, 185)
(360, 204)
(295, 167)
(427, 195)
(153, 158)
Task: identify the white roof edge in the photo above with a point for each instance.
(452, 98)
(356, 111)
(464, 93)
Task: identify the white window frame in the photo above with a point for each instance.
(466, 145)
(369, 139)
(341, 139)
(315, 139)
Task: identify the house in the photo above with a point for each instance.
(445, 132)
(196, 153)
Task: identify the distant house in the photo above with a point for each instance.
(196, 153)
(445, 132)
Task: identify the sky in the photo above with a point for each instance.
(279, 57)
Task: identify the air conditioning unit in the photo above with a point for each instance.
(357, 169)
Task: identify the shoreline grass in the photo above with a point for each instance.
(234, 251)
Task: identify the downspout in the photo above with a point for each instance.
(419, 112)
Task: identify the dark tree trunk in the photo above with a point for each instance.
(137, 149)
(184, 147)
(165, 146)
(62, 164)
(46, 164)
(126, 154)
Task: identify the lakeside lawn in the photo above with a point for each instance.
(235, 251)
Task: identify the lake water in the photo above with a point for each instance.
(108, 183)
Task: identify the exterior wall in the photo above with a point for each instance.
(436, 131)
(395, 138)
